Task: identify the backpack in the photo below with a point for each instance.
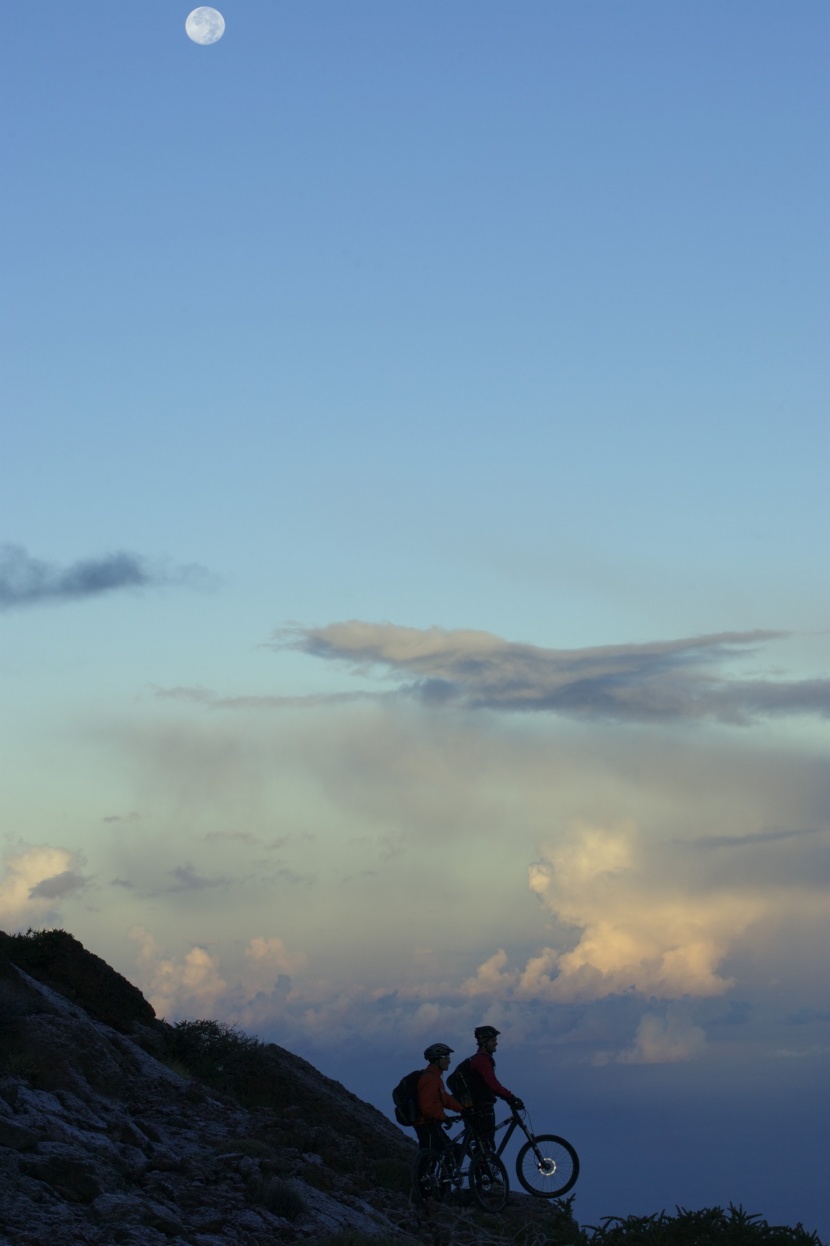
(466, 1084)
(405, 1098)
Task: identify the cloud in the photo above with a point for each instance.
(193, 983)
(642, 928)
(197, 983)
(651, 682)
(271, 957)
(33, 879)
(212, 700)
(752, 838)
(187, 878)
(27, 581)
(661, 1040)
(57, 886)
(490, 979)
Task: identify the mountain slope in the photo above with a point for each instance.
(105, 1136)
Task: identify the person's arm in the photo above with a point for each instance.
(449, 1102)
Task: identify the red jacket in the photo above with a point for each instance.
(485, 1066)
(433, 1098)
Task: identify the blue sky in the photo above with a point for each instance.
(413, 597)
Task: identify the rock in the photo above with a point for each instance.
(129, 1208)
(74, 1179)
(18, 1137)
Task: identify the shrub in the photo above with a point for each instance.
(712, 1226)
(214, 1052)
(283, 1198)
(392, 1174)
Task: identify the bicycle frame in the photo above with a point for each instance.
(512, 1122)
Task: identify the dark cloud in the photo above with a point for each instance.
(58, 886)
(188, 879)
(651, 682)
(27, 581)
(751, 840)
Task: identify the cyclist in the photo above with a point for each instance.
(487, 1087)
(434, 1099)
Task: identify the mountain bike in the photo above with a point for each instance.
(436, 1174)
(546, 1165)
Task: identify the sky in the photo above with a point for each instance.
(413, 530)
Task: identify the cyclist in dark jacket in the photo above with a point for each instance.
(489, 1088)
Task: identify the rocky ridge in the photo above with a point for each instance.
(107, 1136)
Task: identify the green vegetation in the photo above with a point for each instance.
(710, 1227)
(213, 1052)
(282, 1198)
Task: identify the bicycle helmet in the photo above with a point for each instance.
(483, 1033)
(437, 1051)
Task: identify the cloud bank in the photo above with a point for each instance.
(652, 682)
(382, 869)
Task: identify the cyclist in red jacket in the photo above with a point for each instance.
(490, 1088)
(434, 1099)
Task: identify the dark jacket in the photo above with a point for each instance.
(485, 1066)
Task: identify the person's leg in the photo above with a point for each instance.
(484, 1124)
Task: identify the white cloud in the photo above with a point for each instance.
(664, 1040)
(490, 979)
(174, 987)
(268, 958)
(660, 934)
(197, 981)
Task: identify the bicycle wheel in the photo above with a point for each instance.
(488, 1181)
(430, 1181)
(547, 1166)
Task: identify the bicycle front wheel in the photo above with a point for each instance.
(488, 1181)
(547, 1166)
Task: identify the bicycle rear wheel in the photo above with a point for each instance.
(488, 1181)
(547, 1166)
(430, 1180)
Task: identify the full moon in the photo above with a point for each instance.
(205, 25)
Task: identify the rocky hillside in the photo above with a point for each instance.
(118, 1128)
